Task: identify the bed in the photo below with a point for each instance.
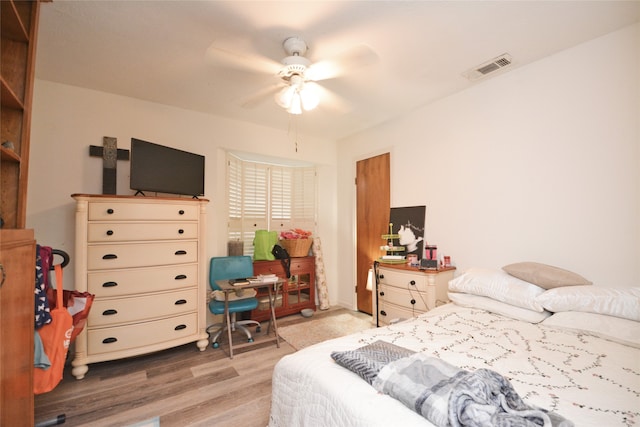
(573, 350)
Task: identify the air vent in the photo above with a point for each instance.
(489, 67)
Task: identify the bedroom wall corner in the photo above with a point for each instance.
(538, 164)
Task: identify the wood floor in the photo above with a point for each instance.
(182, 386)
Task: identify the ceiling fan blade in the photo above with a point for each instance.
(330, 99)
(347, 61)
(262, 95)
(225, 57)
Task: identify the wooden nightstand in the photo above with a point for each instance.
(404, 292)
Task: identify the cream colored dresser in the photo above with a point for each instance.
(144, 260)
(404, 292)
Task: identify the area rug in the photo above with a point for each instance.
(304, 334)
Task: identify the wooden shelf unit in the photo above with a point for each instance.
(297, 293)
(18, 33)
(18, 29)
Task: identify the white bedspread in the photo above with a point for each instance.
(586, 379)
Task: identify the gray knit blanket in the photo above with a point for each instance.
(442, 393)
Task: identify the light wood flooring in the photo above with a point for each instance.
(182, 386)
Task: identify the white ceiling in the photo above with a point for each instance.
(157, 50)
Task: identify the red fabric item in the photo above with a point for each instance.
(77, 303)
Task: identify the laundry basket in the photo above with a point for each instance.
(296, 247)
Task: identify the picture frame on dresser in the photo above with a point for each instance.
(144, 259)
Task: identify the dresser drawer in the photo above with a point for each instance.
(302, 265)
(388, 313)
(403, 280)
(268, 267)
(115, 283)
(298, 265)
(140, 308)
(114, 211)
(105, 256)
(422, 301)
(106, 340)
(130, 231)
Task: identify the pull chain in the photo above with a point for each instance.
(293, 124)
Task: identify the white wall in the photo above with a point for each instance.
(67, 120)
(538, 164)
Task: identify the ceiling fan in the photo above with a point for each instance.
(297, 89)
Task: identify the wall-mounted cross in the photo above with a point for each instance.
(110, 154)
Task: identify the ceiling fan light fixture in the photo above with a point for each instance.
(309, 98)
(295, 107)
(297, 96)
(285, 97)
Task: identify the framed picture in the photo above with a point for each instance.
(408, 223)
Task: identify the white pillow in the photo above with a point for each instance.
(619, 302)
(498, 285)
(623, 331)
(498, 307)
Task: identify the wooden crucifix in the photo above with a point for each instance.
(110, 154)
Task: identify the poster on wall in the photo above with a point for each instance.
(408, 223)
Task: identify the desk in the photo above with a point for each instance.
(272, 288)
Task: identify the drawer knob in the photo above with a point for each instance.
(109, 340)
(381, 276)
(109, 232)
(181, 212)
(383, 313)
(110, 256)
(180, 277)
(109, 312)
(181, 252)
(413, 301)
(179, 327)
(109, 284)
(381, 293)
(180, 302)
(412, 283)
(110, 211)
(181, 231)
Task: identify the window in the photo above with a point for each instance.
(265, 196)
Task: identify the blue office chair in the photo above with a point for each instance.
(225, 268)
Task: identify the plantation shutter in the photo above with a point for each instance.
(248, 200)
(268, 197)
(303, 202)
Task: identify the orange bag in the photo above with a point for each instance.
(56, 337)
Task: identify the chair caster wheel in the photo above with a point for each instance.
(250, 340)
(258, 329)
(215, 345)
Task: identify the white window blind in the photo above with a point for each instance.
(268, 197)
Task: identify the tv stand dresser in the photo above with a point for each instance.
(144, 260)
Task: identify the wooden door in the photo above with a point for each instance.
(372, 220)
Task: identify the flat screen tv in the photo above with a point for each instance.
(161, 169)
